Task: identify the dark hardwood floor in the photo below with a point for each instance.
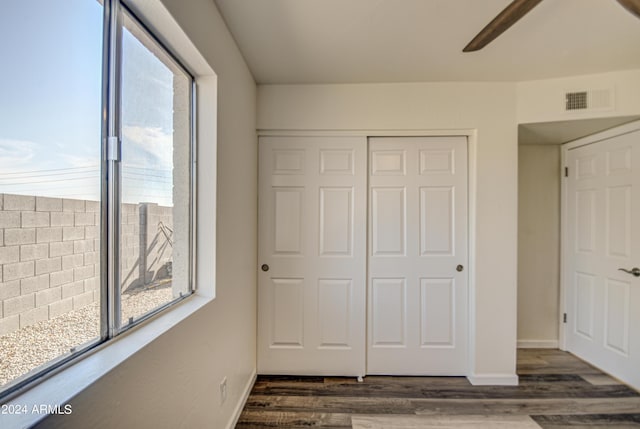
(556, 390)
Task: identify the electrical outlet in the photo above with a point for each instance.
(223, 390)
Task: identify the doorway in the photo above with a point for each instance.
(601, 250)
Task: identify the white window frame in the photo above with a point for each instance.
(111, 323)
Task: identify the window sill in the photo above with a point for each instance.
(60, 388)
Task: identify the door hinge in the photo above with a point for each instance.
(564, 318)
(566, 172)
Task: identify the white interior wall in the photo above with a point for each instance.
(538, 245)
(174, 381)
(488, 108)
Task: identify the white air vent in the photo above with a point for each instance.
(588, 100)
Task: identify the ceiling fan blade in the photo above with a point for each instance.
(505, 19)
(633, 6)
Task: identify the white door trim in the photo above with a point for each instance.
(468, 132)
(594, 138)
(472, 156)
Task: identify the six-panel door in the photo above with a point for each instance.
(417, 298)
(603, 221)
(312, 279)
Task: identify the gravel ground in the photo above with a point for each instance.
(25, 349)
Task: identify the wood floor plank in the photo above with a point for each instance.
(616, 421)
(600, 379)
(531, 406)
(525, 369)
(361, 405)
(444, 422)
(280, 419)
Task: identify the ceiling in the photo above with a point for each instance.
(565, 131)
(349, 41)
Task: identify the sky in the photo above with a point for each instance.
(50, 105)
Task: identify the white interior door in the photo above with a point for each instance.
(603, 222)
(417, 299)
(312, 235)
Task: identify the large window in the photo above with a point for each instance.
(96, 181)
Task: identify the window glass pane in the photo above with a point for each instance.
(50, 105)
(155, 169)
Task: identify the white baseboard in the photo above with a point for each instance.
(243, 400)
(538, 344)
(493, 379)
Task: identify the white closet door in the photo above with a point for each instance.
(603, 222)
(417, 298)
(312, 235)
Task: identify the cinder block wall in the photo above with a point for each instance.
(49, 254)
(131, 270)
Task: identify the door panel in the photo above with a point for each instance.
(336, 221)
(603, 223)
(388, 217)
(288, 219)
(437, 299)
(437, 161)
(389, 306)
(585, 220)
(337, 162)
(585, 304)
(418, 235)
(618, 221)
(436, 221)
(312, 225)
(287, 296)
(616, 317)
(334, 310)
(389, 162)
